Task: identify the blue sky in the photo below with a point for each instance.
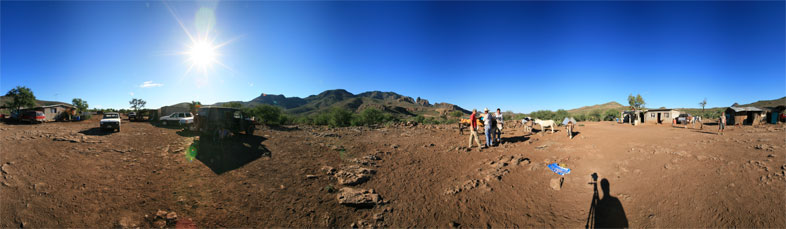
(520, 56)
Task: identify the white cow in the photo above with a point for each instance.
(544, 123)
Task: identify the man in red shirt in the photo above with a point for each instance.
(473, 132)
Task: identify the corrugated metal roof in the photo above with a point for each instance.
(741, 109)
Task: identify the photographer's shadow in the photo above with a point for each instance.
(607, 212)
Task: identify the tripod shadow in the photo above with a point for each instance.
(606, 212)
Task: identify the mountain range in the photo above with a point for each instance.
(389, 102)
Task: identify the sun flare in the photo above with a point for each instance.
(202, 55)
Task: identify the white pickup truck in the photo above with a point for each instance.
(182, 118)
(111, 121)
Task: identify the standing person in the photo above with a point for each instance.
(722, 123)
(488, 127)
(473, 131)
(498, 130)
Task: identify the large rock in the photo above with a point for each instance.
(358, 197)
(555, 184)
(353, 175)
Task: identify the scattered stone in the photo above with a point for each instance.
(358, 197)
(128, 222)
(171, 216)
(394, 146)
(309, 176)
(771, 155)
(555, 184)
(453, 224)
(353, 175)
(161, 214)
(6, 169)
(159, 223)
(328, 170)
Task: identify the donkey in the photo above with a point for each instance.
(544, 123)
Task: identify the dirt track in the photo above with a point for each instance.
(73, 175)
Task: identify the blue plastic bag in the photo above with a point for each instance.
(558, 169)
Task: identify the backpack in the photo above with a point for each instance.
(493, 121)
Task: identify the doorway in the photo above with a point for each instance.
(659, 120)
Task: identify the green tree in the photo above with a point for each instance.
(267, 114)
(20, 97)
(339, 117)
(456, 114)
(636, 102)
(371, 116)
(639, 101)
(595, 115)
(702, 104)
(611, 114)
(80, 105)
(137, 104)
(232, 105)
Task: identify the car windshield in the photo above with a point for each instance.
(110, 116)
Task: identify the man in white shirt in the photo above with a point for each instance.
(498, 130)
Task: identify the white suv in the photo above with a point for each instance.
(182, 118)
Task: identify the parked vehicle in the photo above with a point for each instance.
(182, 118)
(682, 119)
(218, 121)
(111, 121)
(32, 117)
(132, 116)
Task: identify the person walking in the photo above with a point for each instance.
(473, 131)
(498, 130)
(722, 123)
(488, 127)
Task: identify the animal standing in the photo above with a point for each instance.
(545, 123)
(526, 122)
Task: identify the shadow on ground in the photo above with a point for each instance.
(515, 139)
(229, 154)
(97, 131)
(606, 212)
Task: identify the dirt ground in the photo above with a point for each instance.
(75, 175)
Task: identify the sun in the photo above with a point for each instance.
(202, 55)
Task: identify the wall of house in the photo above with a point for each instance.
(665, 116)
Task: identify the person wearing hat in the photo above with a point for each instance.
(488, 127)
(473, 131)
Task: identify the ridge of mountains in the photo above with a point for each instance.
(389, 102)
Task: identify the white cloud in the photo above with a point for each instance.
(131, 93)
(250, 84)
(147, 84)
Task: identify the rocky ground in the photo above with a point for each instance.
(75, 175)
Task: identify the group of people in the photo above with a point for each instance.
(492, 123)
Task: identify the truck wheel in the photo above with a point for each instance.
(250, 130)
(118, 129)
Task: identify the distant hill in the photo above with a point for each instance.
(4, 99)
(602, 107)
(389, 102)
(767, 103)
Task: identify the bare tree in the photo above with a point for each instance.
(702, 104)
(137, 104)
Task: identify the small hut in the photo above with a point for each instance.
(744, 115)
(56, 112)
(774, 114)
(660, 115)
